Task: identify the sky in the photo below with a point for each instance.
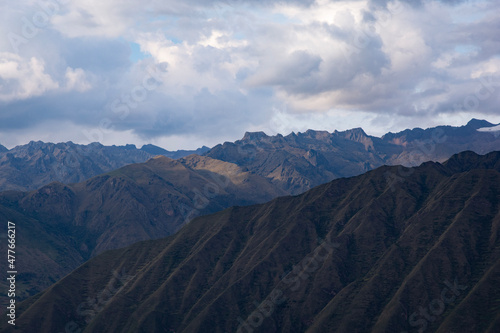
(182, 74)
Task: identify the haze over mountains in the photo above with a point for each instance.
(361, 254)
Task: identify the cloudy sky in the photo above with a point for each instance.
(181, 74)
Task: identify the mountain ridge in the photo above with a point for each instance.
(28, 167)
(282, 159)
(286, 159)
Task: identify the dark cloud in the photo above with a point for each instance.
(97, 55)
(80, 108)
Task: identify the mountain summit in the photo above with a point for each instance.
(476, 123)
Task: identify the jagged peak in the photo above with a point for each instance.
(35, 143)
(315, 133)
(357, 130)
(353, 134)
(130, 146)
(254, 136)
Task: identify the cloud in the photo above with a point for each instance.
(239, 65)
(291, 72)
(23, 78)
(76, 80)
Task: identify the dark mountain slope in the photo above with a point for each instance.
(354, 255)
(67, 224)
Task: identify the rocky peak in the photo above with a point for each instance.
(358, 135)
(354, 134)
(319, 135)
(129, 147)
(254, 136)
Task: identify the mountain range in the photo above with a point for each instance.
(393, 250)
(294, 163)
(28, 167)
(298, 162)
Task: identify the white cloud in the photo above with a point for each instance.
(489, 129)
(76, 79)
(23, 78)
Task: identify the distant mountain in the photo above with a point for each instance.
(154, 150)
(31, 166)
(439, 143)
(60, 226)
(298, 162)
(362, 254)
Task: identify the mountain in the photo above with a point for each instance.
(392, 250)
(298, 162)
(31, 166)
(439, 143)
(60, 226)
(154, 150)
